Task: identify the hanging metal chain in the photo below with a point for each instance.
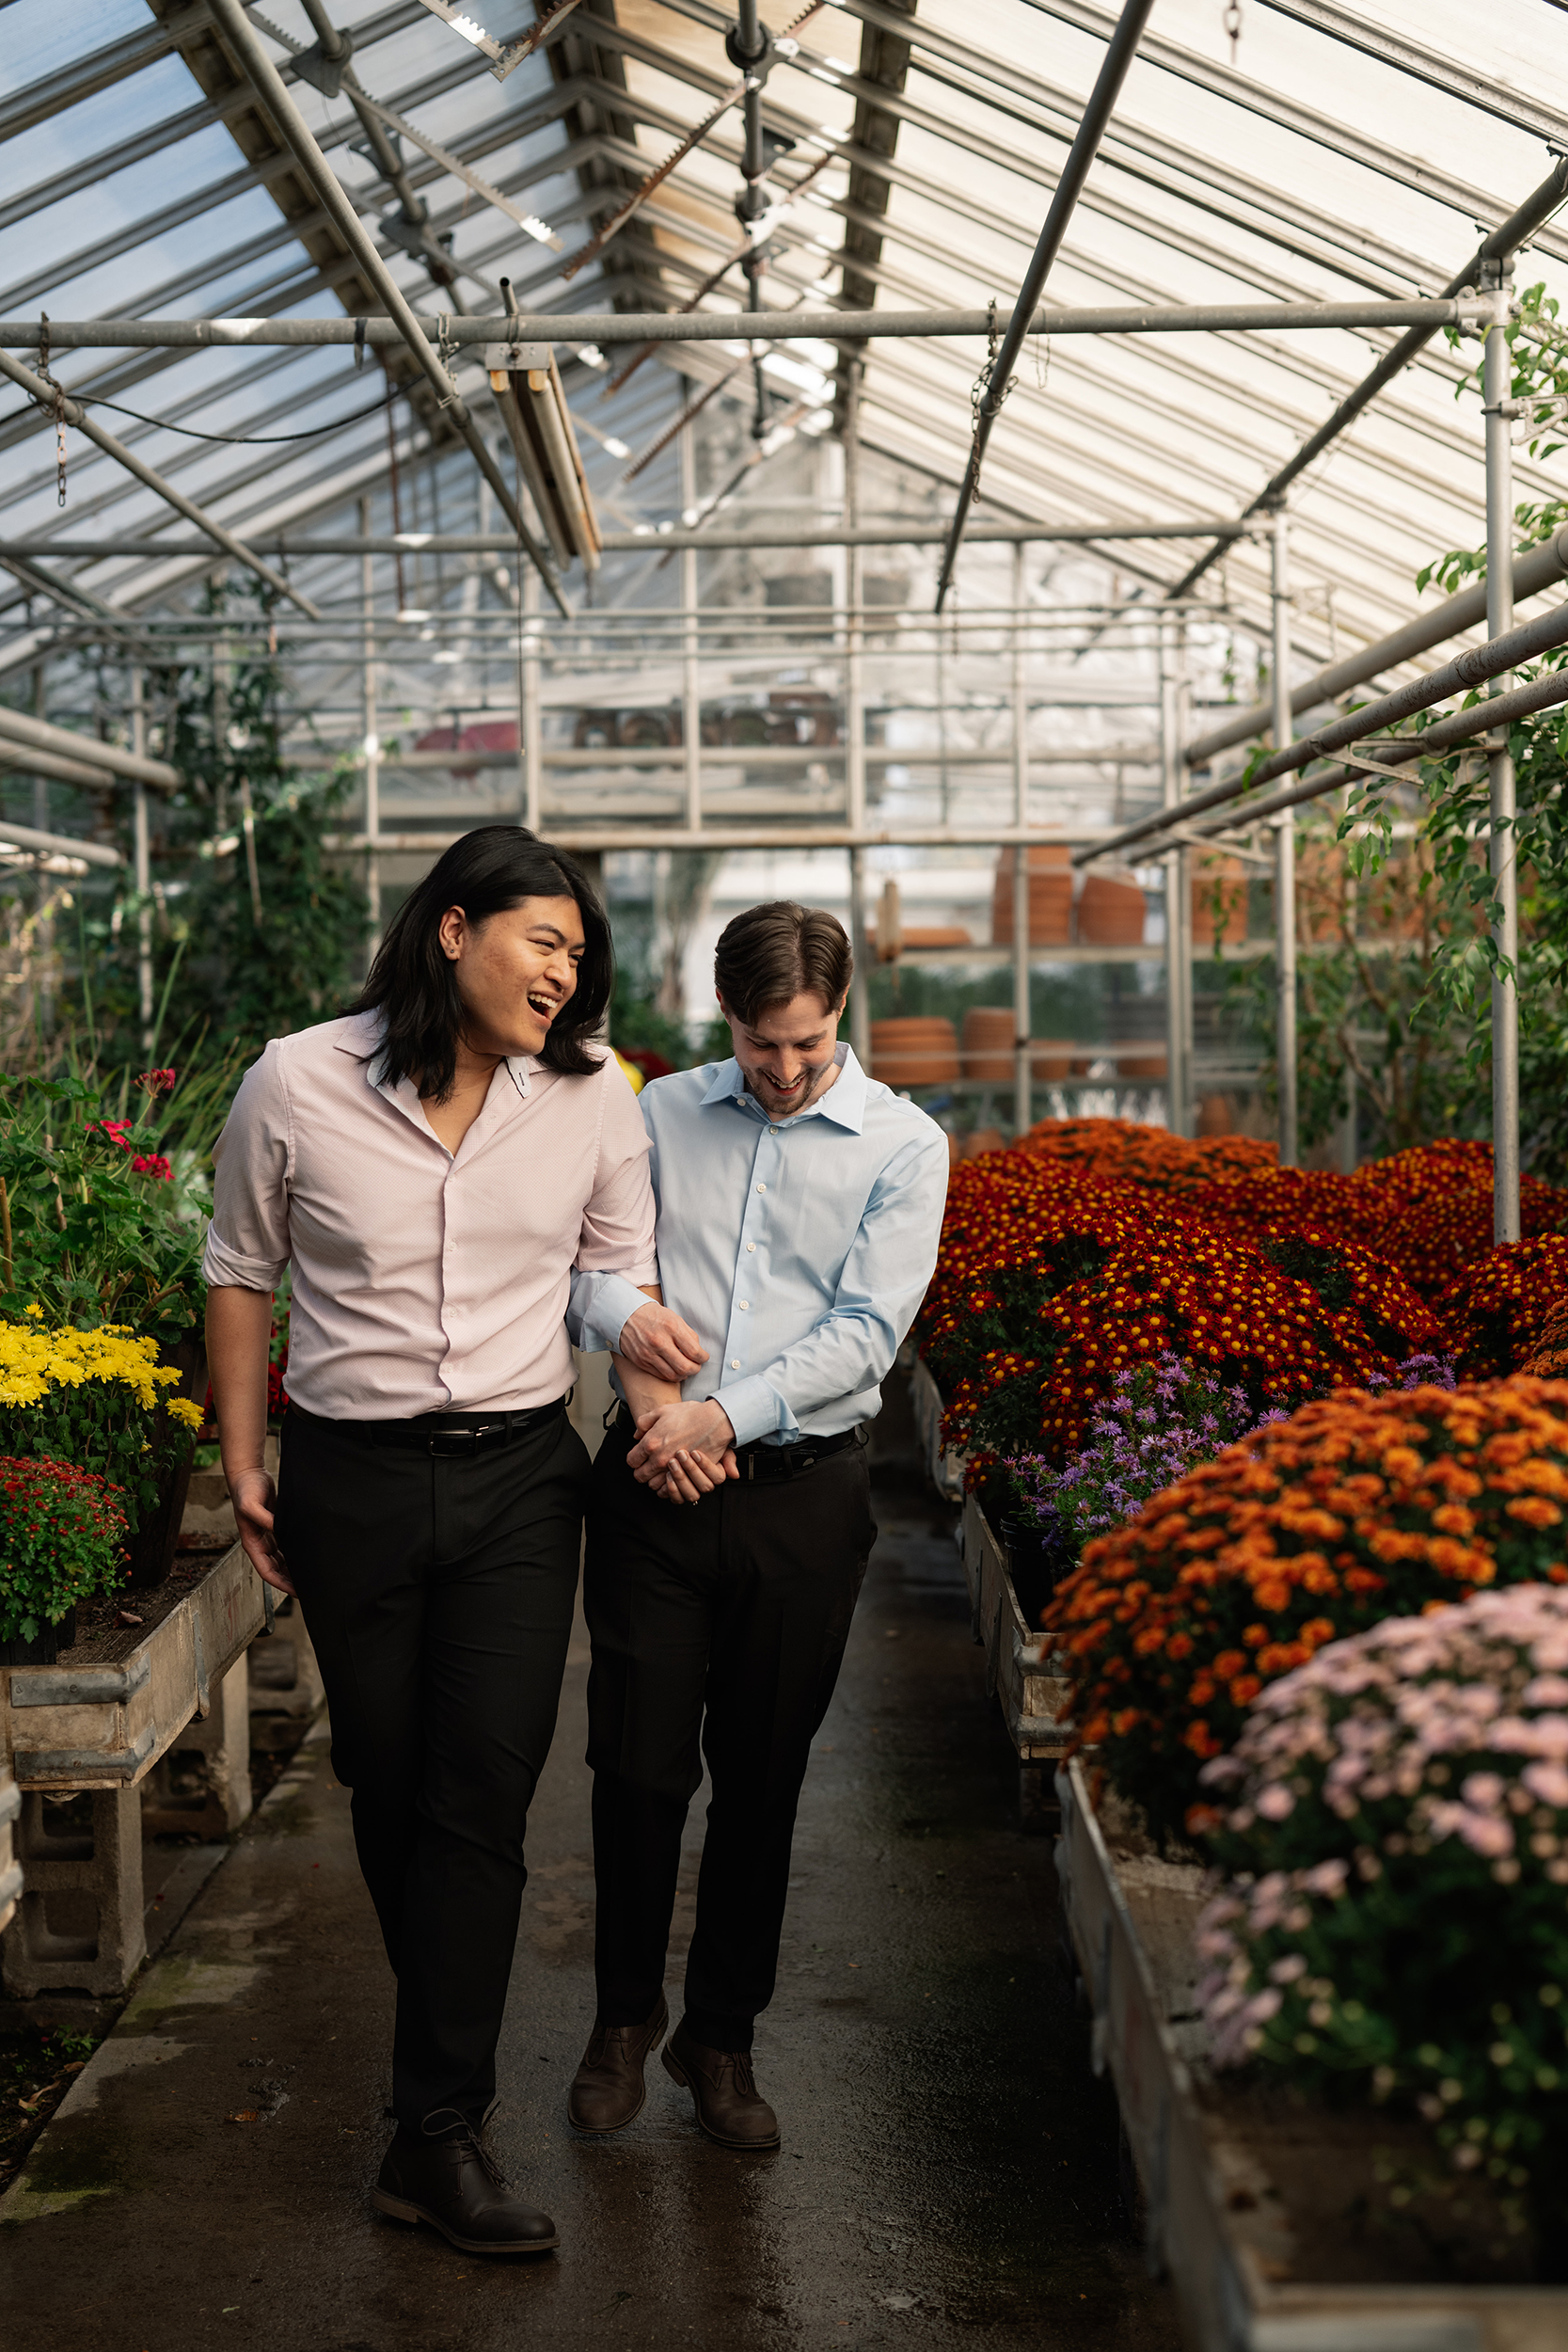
(1232, 21)
(59, 406)
(445, 351)
(981, 387)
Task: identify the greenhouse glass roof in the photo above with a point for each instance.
(1271, 150)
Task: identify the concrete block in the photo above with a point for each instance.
(78, 1926)
(200, 1785)
(10, 1870)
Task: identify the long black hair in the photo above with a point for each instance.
(414, 984)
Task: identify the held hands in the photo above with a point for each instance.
(684, 1450)
(253, 1495)
(656, 1340)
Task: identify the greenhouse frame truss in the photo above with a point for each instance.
(1238, 399)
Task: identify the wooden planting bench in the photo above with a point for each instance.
(99, 1720)
(1266, 2212)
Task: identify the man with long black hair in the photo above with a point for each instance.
(800, 1206)
(457, 1175)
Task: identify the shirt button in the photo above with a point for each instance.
(772, 1130)
(762, 1188)
(750, 1247)
(735, 1363)
(744, 1304)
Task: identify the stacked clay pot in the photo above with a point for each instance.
(1049, 897)
(988, 1048)
(914, 1051)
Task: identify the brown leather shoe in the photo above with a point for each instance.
(608, 2090)
(730, 2108)
(444, 2174)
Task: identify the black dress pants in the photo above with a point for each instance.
(718, 1629)
(439, 1592)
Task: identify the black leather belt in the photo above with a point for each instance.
(444, 1435)
(764, 1463)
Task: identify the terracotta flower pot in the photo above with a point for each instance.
(1110, 912)
(1049, 897)
(914, 1052)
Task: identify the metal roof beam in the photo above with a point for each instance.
(57, 405)
(1538, 206)
(1379, 155)
(1447, 74)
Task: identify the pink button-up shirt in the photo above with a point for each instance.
(423, 1279)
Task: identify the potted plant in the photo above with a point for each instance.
(62, 1538)
(99, 1400)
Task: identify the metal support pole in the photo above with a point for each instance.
(533, 729)
(691, 690)
(1022, 1072)
(142, 868)
(372, 736)
(1179, 952)
(854, 722)
(1497, 377)
(1284, 849)
(43, 937)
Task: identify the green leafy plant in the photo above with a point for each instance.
(62, 1534)
(96, 1223)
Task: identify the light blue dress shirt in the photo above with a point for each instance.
(799, 1250)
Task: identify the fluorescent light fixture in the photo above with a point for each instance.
(615, 448)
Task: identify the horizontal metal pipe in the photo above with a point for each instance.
(1540, 568)
(37, 735)
(671, 755)
(652, 835)
(1499, 711)
(56, 843)
(632, 542)
(1466, 670)
(710, 326)
(34, 763)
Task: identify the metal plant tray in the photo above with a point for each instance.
(1236, 2190)
(104, 1726)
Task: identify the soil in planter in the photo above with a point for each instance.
(102, 1641)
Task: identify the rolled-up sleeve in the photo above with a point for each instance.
(616, 1257)
(247, 1242)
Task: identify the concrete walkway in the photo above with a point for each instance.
(948, 2172)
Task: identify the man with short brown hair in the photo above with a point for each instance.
(800, 1206)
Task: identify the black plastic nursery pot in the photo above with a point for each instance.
(45, 1646)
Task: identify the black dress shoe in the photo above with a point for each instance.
(730, 2109)
(607, 2090)
(442, 2173)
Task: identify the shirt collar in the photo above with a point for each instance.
(844, 1102)
(366, 1043)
